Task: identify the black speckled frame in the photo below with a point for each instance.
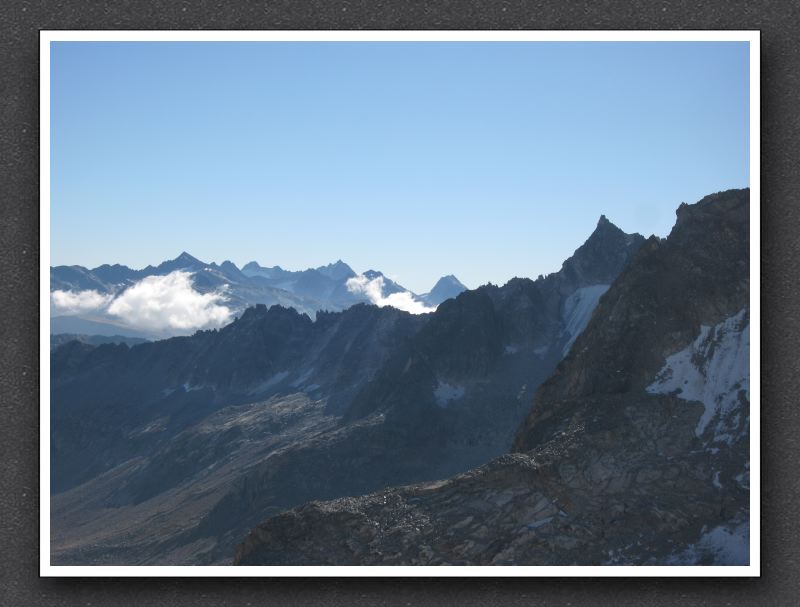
(19, 242)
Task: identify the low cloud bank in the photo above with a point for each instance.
(160, 304)
(69, 303)
(373, 290)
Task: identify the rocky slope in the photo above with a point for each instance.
(106, 401)
(636, 450)
(169, 452)
(447, 400)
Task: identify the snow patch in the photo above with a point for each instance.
(730, 546)
(577, 311)
(446, 393)
(714, 370)
(723, 545)
(78, 302)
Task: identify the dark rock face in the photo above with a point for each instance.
(474, 365)
(698, 276)
(602, 257)
(213, 433)
(636, 450)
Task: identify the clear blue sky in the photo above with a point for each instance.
(485, 160)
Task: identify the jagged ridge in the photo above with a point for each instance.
(611, 471)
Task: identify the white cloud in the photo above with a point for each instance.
(373, 290)
(78, 302)
(169, 303)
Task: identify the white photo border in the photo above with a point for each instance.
(753, 37)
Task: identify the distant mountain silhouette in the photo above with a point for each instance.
(447, 287)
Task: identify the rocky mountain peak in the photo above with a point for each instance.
(697, 277)
(601, 258)
(181, 262)
(445, 288)
(722, 208)
(449, 279)
(185, 257)
(338, 270)
(605, 229)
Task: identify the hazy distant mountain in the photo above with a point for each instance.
(184, 261)
(92, 327)
(307, 291)
(447, 287)
(105, 278)
(389, 286)
(239, 291)
(337, 271)
(326, 284)
(253, 269)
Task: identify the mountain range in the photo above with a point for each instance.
(307, 291)
(635, 451)
(276, 409)
(597, 414)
